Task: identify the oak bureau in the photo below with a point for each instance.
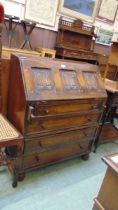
(57, 106)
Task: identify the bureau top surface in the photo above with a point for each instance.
(111, 86)
(49, 79)
(112, 161)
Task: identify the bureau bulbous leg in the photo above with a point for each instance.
(21, 177)
(85, 157)
(14, 184)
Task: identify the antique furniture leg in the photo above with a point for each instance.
(27, 33)
(85, 157)
(10, 28)
(7, 161)
(21, 177)
(15, 178)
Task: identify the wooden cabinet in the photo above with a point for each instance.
(75, 41)
(57, 106)
(107, 198)
(111, 70)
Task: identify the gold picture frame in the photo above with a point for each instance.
(41, 11)
(19, 1)
(85, 10)
(107, 10)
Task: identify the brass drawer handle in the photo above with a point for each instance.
(37, 158)
(80, 146)
(104, 106)
(42, 126)
(46, 111)
(89, 119)
(85, 134)
(40, 144)
(94, 106)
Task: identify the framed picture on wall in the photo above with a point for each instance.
(20, 1)
(85, 10)
(41, 11)
(104, 37)
(107, 10)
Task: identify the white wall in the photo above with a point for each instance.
(17, 8)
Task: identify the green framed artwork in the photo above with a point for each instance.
(104, 37)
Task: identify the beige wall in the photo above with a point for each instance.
(41, 38)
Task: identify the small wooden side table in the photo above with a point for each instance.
(108, 131)
(10, 28)
(45, 52)
(28, 27)
(107, 198)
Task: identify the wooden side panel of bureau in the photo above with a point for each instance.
(57, 107)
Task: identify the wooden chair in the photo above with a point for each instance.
(10, 28)
(45, 52)
(9, 136)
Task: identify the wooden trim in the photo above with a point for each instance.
(99, 205)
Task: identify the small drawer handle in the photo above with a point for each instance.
(94, 106)
(46, 111)
(104, 106)
(89, 119)
(42, 126)
(85, 134)
(40, 144)
(37, 158)
(80, 146)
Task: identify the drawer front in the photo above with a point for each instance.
(58, 140)
(53, 156)
(62, 122)
(67, 108)
(115, 100)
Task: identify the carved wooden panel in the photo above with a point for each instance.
(91, 80)
(70, 80)
(42, 79)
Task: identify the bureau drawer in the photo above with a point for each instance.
(53, 156)
(58, 140)
(62, 122)
(68, 107)
(115, 100)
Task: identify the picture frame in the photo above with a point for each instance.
(41, 11)
(19, 1)
(104, 37)
(85, 10)
(107, 13)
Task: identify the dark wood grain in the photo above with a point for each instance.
(75, 41)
